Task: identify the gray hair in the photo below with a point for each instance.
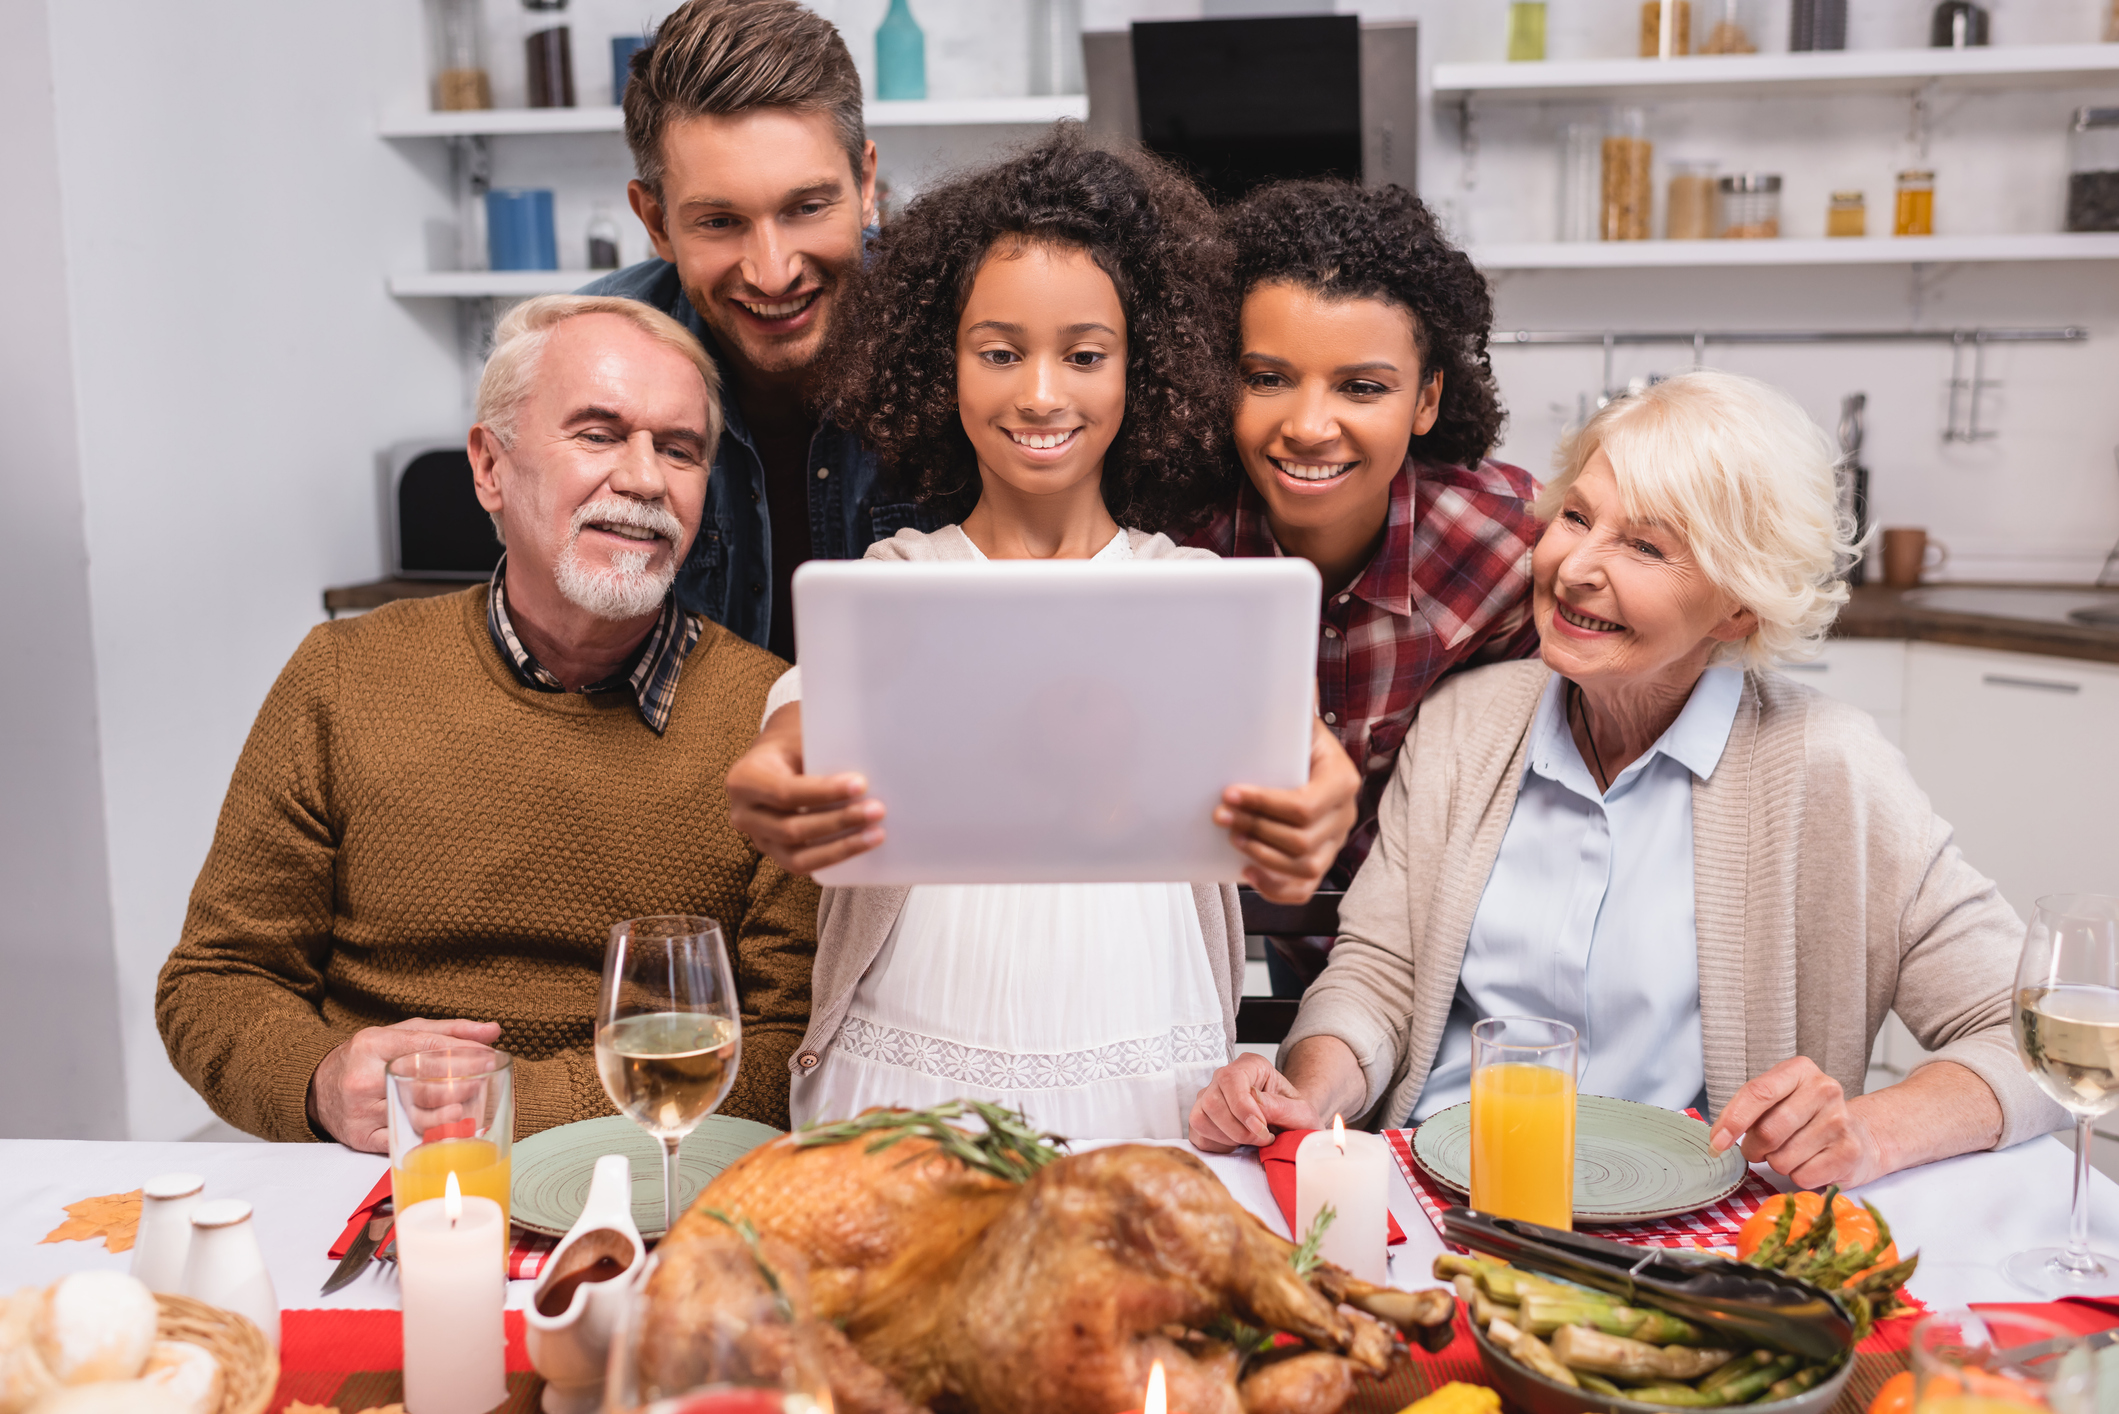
(1749, 480)
(518, 347)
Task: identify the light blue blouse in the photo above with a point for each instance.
(1587, 917)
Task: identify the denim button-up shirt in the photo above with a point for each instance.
(728, 574)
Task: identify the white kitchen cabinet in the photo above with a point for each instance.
(1869, 673)
(2020, 753)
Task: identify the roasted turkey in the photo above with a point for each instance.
(982, 1273)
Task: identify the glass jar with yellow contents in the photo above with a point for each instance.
(1916, 204)
(1847, 214)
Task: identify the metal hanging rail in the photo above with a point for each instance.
(1963, 390)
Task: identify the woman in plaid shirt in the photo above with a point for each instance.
(1365, 411)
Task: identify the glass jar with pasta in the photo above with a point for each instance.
(1629, 192)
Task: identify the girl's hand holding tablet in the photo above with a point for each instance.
(806, 823)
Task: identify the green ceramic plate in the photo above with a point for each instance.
(1633, 1162)
(553, 1169)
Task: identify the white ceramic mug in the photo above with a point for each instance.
(164, 1240)
(225, 1268)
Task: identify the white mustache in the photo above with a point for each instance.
(638, 515)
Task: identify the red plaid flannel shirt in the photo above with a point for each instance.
(1449, 589)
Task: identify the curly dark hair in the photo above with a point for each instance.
(1350, 242)
(893, 374)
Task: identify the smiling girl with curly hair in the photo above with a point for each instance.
(1039, 348)
(1365, 409)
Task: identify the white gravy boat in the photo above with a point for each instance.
(571, 1349)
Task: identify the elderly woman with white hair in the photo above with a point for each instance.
(1720, 878)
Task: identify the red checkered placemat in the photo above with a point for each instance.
(1712, 1226)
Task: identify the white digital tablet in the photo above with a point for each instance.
(1055, 723)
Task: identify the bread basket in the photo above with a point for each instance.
(250, 1367)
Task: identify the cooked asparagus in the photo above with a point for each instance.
(1806, 1378)
(1503, 1334)
(1529, 1350)
(1636, 1361)
(1545, 1312)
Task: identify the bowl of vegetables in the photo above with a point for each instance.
(1599, 1354)
(1558, 1346)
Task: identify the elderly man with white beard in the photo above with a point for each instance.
(444, 805)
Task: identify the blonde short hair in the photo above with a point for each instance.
(1748, 479)
(519, 343)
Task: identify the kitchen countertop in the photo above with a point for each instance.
(1880, 612)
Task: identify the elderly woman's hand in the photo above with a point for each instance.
(1796, 1118)
(1248, 1102)
(1292, 836)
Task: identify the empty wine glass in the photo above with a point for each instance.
(2067, 1031)
(743, 1352)
(669, 1034)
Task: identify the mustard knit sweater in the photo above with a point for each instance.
(411, 832)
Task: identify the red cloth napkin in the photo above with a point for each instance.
(2083, 1315)
(1712, 1226)
(526, 1250)
(1279, 1160)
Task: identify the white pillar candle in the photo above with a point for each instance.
(450, 1254)
(1349, 1171)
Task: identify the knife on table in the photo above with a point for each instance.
(362, 1252)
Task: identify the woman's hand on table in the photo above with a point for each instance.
(801, 823)
(1248, 1102)
(346, 1093)
(1798, 1120)
(1292, 836)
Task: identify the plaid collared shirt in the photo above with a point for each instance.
(652, 679)
(1448, 589)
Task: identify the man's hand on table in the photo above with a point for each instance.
(346, 1093)
(801, 823)
(1292, 836)
(1248, 1102)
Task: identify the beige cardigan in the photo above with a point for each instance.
(1827, 893)
(854, 923)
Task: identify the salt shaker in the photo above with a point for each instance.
(158, 1252)
(225, 1268)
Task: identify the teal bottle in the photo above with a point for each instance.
(901, 55)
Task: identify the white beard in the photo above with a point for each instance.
(628, 589)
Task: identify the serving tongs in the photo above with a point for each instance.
(1757, 1306)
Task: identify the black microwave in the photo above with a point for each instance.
(437, 529)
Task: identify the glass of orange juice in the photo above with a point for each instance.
(1523, 1119)
(452, 1110)
(2000, 1362)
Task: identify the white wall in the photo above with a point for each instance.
(59, 1041)
(224, 218)
(229, 216)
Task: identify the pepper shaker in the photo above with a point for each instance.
(225, 1268)
(164, 1240)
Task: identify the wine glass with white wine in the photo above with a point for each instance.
(2067, 1031)
(669, 1033)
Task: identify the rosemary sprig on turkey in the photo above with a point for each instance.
(1008, 1148)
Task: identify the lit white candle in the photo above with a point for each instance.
(1348, 1171)
(450, 1254)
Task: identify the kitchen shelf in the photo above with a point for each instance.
(930, 113)
(1901, 250)
(489, 284)
(1755, 75)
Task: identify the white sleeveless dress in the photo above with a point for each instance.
(1090, 1007)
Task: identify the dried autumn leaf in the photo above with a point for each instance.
(114, 1217)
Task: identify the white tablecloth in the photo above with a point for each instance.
(1964, 1215)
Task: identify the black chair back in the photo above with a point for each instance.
(1266, 1021)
